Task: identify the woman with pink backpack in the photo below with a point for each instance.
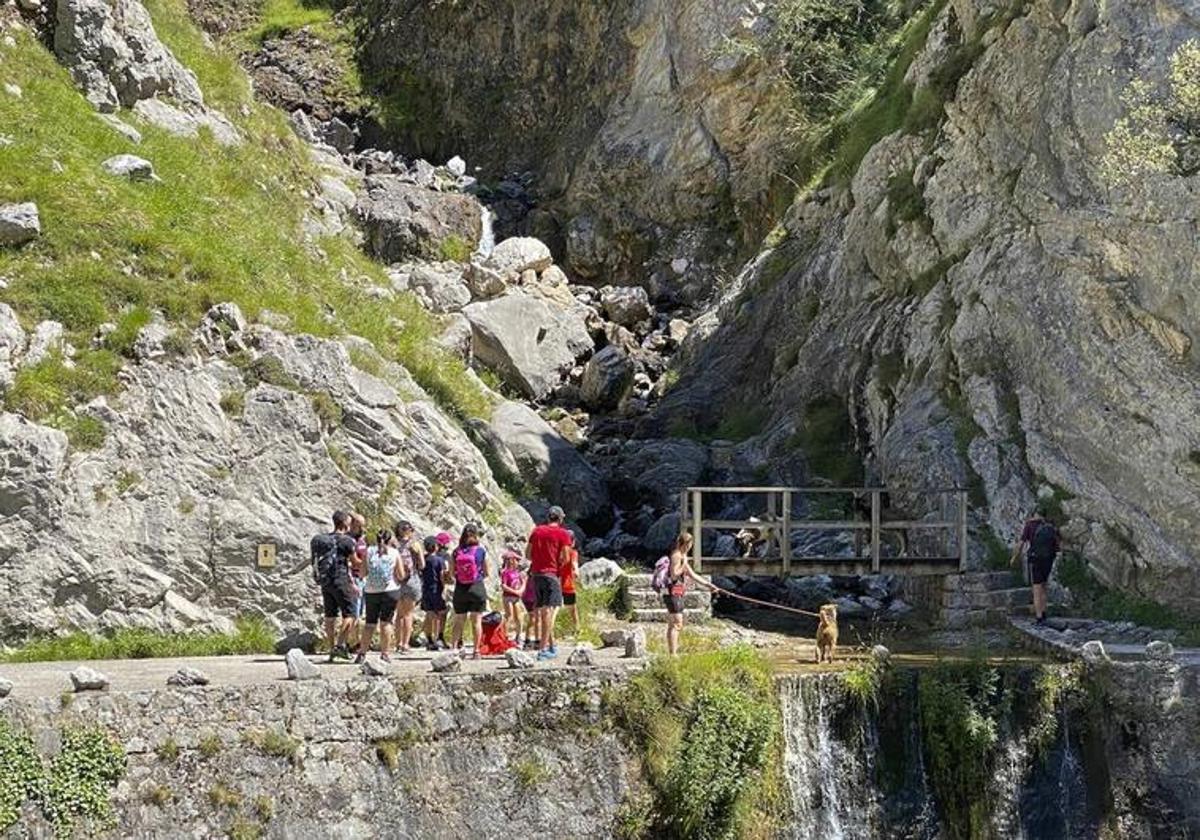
(670, 580)
(469, 568)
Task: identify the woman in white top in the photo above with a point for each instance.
(381, 589)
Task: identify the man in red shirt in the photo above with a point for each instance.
(547, 552)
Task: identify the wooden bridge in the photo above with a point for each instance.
(875, 538)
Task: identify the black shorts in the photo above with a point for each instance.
(547, 591)
(1039, 569)
(568, 599)
(433, 601)
(673, 603)
(338, 598)
(470, 599)
(381, 606)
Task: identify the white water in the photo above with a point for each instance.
(487, 239)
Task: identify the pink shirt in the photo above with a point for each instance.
(512, 578)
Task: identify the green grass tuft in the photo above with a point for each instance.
(251, 636)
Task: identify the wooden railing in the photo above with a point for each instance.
(780, 521)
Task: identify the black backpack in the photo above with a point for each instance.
(324, 558)
(1041, 547)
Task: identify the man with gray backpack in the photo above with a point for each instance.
(331, 554)
(1040, 541)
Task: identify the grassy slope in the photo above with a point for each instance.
(222, 225)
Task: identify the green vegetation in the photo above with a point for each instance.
(1092, 598)
(529, 773)
(454, 249)
(251, 636)
(388, 750)
(157, 795)
(164, 250)
(20, 772)
(210, 746)
(708, 728)
(1053, 503)
(83, 431)
(826, 438)
(591, 603)
(274, 743)
(279, 17)
(906, 202)
(126, 480)
(327, 409)
(241, 828)
(264, 808)
(863, 680)
(999, 556)
(167, 751)
(889, 370)
(233, 403)
(340, 460)
(221, 795)
(1147, 140)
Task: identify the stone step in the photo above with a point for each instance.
(641, 580)
(660, 615)
(980, 581)
(649, 599)
(960, 619)
(991, 598)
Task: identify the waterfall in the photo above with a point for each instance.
(487, 238)
(828, 778)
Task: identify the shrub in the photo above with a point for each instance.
(209, 746)
(80, 780)
(168, 750)
(327, 409)
(158, 795)
(827, 440)
(222, 795)
(530, 773)
(233, 403)
(84, 432)
(454, 249)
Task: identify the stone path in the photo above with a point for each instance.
(49, 679)
(1051, 639)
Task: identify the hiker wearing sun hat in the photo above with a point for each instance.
(433, 588)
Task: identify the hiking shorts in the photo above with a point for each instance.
(470, 599)
(547, 591)
(433, 601)
(381, 606)
(338, 599)
(673, 603)
(1039, 569)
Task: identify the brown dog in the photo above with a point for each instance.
(827, 633)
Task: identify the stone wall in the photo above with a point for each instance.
(529, 755)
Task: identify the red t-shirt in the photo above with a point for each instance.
(545, 547)
(566, 572)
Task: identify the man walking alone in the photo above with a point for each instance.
(1040, 541)
(331, 557)
(547, 551)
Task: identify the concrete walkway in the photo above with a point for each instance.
(1050, 641)
(49, 679)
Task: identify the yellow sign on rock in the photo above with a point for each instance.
(266, 555)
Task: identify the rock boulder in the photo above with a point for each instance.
(84, 678)
(403, 221)
(299, 666)
(606, 378)
(19, 223)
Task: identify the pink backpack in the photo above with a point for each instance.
(660, 580)
(466, 565)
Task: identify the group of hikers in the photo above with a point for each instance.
(377, 584)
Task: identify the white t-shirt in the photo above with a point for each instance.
(380, 570)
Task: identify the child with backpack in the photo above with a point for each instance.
(433, 585)
(470, 591)
(512, 584)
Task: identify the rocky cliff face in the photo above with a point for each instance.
(993, 308)
(652, 143)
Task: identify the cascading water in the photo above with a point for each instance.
(487, 237)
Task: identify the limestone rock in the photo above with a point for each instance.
(519, 659)
(302, 640)
(456, 166)
(1160, 650)
(130, 166)
(47, 340)
(511, 257)
(635, 644)
(1093, 651)
(115, 56)
(84, 678)
(19, 223)
(375, 668)
(548, 461)
(439, 286)
(583, 656)
(599, 572)
(299, 666)
(187, 123)
(6, 688)
(615, 638)
(530, 344)
(446, 663)
(121, 127)
(606, 377)
(403, 221)
(657, 470)
(187, 677)
(625, 305)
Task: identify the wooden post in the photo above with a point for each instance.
(772, 517)
(785, 534)
(697, 532)
(683, 510)
(875, 522)
(962, 530)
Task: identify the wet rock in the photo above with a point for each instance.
(299, 667)
(851, 608)
(1093, 651)
(599, 572)
(519, 659)
(531, 344)
(19, 223)
(130, 166)
(187, 677)
(403, 221)
(635, 644)
(656, 470)
(583, 656)
(84, 678)
(625, 305)
(446, 663)
(873, 605)
(1160, 650)
(606, 377)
